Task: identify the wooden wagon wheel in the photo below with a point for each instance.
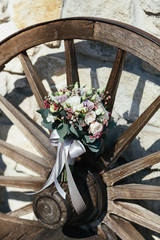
(115, 213)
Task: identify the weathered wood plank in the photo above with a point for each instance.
(21, 211)
(45, 32)
(32, 233)
(30, 183)
(25, 158)
(16, 228)
(126, 138)
(123, 228)
(71, 63)
(131, 40)
(17, 232)
(104, 232)
(34, 135)
(114, 78)
(4, 218)
(134, 191)
(136, 214)
(114, 175)
(33, 79)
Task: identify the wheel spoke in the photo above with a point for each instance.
(104, 232)
(123, 228)
(34, 135)
(71, 63)
(33, 79)
(16, 228)
(136, 214)
(12, 231)
(25, 158)
(127, 137)
(30, 183)
(114, 175)
(114, 78)
(31, 233)
(6, 218)
(22, 211)
(134, 191)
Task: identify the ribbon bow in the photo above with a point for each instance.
(66, 152)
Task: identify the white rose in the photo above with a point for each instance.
(99, 111)
(50, 118)
(95, 128)
(73, 101)
(77, 108)
(90, 117)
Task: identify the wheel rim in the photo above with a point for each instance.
(119, 213)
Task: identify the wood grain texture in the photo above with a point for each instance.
(136, 214)
(123, 228)
(9, 219)
(134, 191)
(34, 80)
(104, 232)
(71, 63)
(13, 228)
(114, 175)
(34, 135)
(30, 183)
(126, 39)
(126, 138)
(21, 211)
(114, 77)
(41, 33)
(19, 232)
(25, 158)
(129, 41)
(121, 35)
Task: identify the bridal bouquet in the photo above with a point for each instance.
(77, 118)
(77, 114)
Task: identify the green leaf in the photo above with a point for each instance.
(74, 130)
(47, 125)
(94, 147)
(88, 140)
(80, 127)
(62, 130)
(63, 113)
(41, 111)
(61, 139)
(45, 113)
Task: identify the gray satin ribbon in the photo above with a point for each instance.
(66, 152)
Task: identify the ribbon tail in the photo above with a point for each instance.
(56, 170)
(76, 198)
(59, 189)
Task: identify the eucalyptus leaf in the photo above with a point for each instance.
(94, 147)
(47, 125)
(62, 130)
(74, 130)
(88, 140)
(41, 111)
(45, 113)
(63, 113)
(80, 127)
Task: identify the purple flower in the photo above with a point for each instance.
(61, 98)
(87, 103)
